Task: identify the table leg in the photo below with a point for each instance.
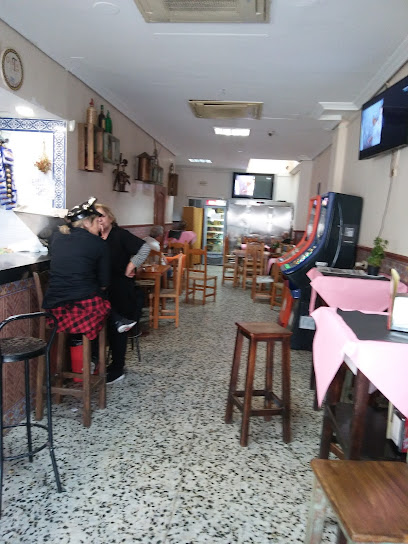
(235, 282)
(156, 302)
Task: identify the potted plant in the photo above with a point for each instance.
(376, 256)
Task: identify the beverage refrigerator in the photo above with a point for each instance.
(214, 229)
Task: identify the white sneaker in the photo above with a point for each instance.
(124, 325)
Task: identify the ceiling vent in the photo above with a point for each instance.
(204, 11)
(210, 109)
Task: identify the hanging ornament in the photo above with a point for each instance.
(44, 164)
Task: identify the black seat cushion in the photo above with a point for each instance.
(20, 348)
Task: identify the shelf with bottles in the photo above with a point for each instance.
(90, 147)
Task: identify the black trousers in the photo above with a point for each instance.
(127, 300)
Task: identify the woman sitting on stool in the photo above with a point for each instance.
(79, 273)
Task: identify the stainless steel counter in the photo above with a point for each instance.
(17, 266)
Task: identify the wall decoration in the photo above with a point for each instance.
(43, 128)
(43, 164)
(12, 69)
(121, 177)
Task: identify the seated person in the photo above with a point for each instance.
(181, 235)
(286, 238)
(155, 237)
(79, 273)
(153, 240)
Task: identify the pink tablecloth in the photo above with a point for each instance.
(385, 364)
(351, 293)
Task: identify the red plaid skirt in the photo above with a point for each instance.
(82, 317)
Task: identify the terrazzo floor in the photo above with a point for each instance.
(159, 465)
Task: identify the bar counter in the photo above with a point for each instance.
(18, 296)
(18, 266)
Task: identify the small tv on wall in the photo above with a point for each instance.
(384, 121)
(246, 185)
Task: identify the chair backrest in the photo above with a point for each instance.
(181, 259)
(178, 247)
(41, 280)
(226, 246)
(255, 256)
(202, 266)
(277, 273)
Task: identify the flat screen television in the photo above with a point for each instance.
(246, 185)
(384, 121)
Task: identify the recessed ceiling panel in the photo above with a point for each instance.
(210, 109)
(204, 11)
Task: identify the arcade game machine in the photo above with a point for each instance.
(335, 243)
(309, 234)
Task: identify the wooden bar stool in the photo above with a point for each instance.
(64, 384)
(369, 499)
(269, 333)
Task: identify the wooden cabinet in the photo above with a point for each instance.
(90, 147)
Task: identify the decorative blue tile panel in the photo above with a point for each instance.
(58, 128)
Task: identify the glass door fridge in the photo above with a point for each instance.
(214, 229)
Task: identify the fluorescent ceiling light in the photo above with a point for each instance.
(25, 111)
(201, 160)
(232, 131)
(267, 166)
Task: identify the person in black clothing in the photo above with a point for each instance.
(79, 273)
(127, 253)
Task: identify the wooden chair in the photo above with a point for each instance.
(228, 262)
(277, 286)
(64, 378)
(261, 283)
(251, 261)
(174, 248)
(170, 294)
(197, 278)
(368, 498)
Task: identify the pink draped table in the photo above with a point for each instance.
(385, 364)
(368, 295)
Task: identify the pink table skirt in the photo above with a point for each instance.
(385, 364)
(351, 293)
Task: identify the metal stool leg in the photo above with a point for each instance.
(28, 408)
(49, 424)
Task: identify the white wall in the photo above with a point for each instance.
(206, 183)
(320, 173)
(371, 180)
(49, 85)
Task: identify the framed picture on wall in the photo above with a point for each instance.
(111, 148)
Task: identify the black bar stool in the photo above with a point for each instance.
(24, 348)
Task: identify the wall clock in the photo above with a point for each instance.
(12, 69)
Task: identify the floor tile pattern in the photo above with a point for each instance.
(159, 465)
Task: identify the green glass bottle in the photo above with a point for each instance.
(108, 123)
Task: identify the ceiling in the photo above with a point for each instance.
(314, 63)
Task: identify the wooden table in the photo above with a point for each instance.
(154, 272)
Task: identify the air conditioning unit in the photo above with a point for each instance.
(204, 11)
(222, 109)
